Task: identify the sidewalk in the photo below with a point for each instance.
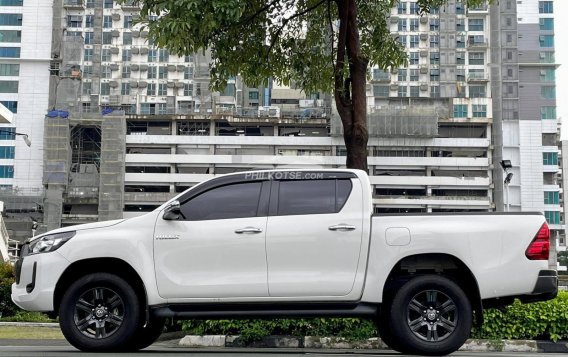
(311, 342)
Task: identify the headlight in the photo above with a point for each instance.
(50, 242)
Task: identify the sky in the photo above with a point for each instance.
(561, 44)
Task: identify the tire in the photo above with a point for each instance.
(431, 315)
(99, 312)
(385, 332)
(147, 335)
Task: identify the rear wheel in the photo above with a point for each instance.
(431, 314)
(99, 312)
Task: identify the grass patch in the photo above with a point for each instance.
(27, 316)
(30, 333)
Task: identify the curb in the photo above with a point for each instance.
(311, 342)
(30, 324)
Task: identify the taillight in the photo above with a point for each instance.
(540, 245)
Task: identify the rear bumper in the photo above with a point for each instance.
(546, 288)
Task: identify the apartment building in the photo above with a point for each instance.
(142, 125)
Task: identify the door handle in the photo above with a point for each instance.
(342, 227)
(249, 230)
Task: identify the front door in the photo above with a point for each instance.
(217, 248)
(314, 234)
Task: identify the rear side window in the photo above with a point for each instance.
(300, 197)
(225, 202)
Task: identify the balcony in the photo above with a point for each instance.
(477, 77)
(73, 4)
(478, 44)
(481, 9)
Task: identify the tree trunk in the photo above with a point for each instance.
(350, 96)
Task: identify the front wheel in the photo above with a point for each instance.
(99, 312)
(432, 315)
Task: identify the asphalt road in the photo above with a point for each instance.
(60, 349)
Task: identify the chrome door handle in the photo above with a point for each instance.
(250, 230)
(342, 227)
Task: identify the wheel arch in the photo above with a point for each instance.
(114, 266)
(435, 263)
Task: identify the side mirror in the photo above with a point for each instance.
(172, 211)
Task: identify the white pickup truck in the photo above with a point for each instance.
(284, 244)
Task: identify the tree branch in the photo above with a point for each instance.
(285, 22)
(258, 12)
(331, 33)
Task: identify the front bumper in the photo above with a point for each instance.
(37, 277)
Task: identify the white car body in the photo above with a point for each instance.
(296, 258)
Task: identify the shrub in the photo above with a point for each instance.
(28, 316)
(7, 278)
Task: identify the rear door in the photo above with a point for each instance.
(314, 235)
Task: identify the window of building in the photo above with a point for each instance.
(10, 52)
(107, 21)
(164, 55)
(6, 171)
(11, 105)
(477, 92)
(7, 134)
(402, 25)
(435, 91)
(460, 75)
(126, 55)
(475, 24)
(414, 58)
(7, 152)
(460, 8)
(548, 92)
(434, 24)
(89, 36)
(8, 86)
(11, 2)
(414, 8)
(460, 41)
(476, 58)
(89, 19)
(188, 73)
(88, 54)
(152, 55)
(107, 38)
(10, 19)
(87, 71)
(547, 75)
(414, 24)
(228, 202)
(125, 71)
(434, 57)
(163, 72)
(151, 90)
(106, 56)
(162, 89)
(127, 38)
(460, 110)
(546, 41)
(550, 158)
(107, 4)
(434, 41)
(105, 88)
(152, 72)
(106, 72)
(381, 91)
(552, 217)
(551, 197)
(414, 41)
(435, 74)
(414, 91)
(11, 36)
(402, 39)
(87, 86)
(401, 8)
(74, 34)
(414, 75)
(480, 111)
(188, 59)
(187, 89)
(125, 88)
(460, 25)
(546, 57)
(253, 95)
(74, 21)
(379, 74)
(402, 74)
(460, 57)
(545, 7)
(546, 24)
(547, 112)
(9, 69)
(127, 21)
(402, 91)
(90, 4)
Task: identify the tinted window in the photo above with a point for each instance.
(232, 201)
(312, 196)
